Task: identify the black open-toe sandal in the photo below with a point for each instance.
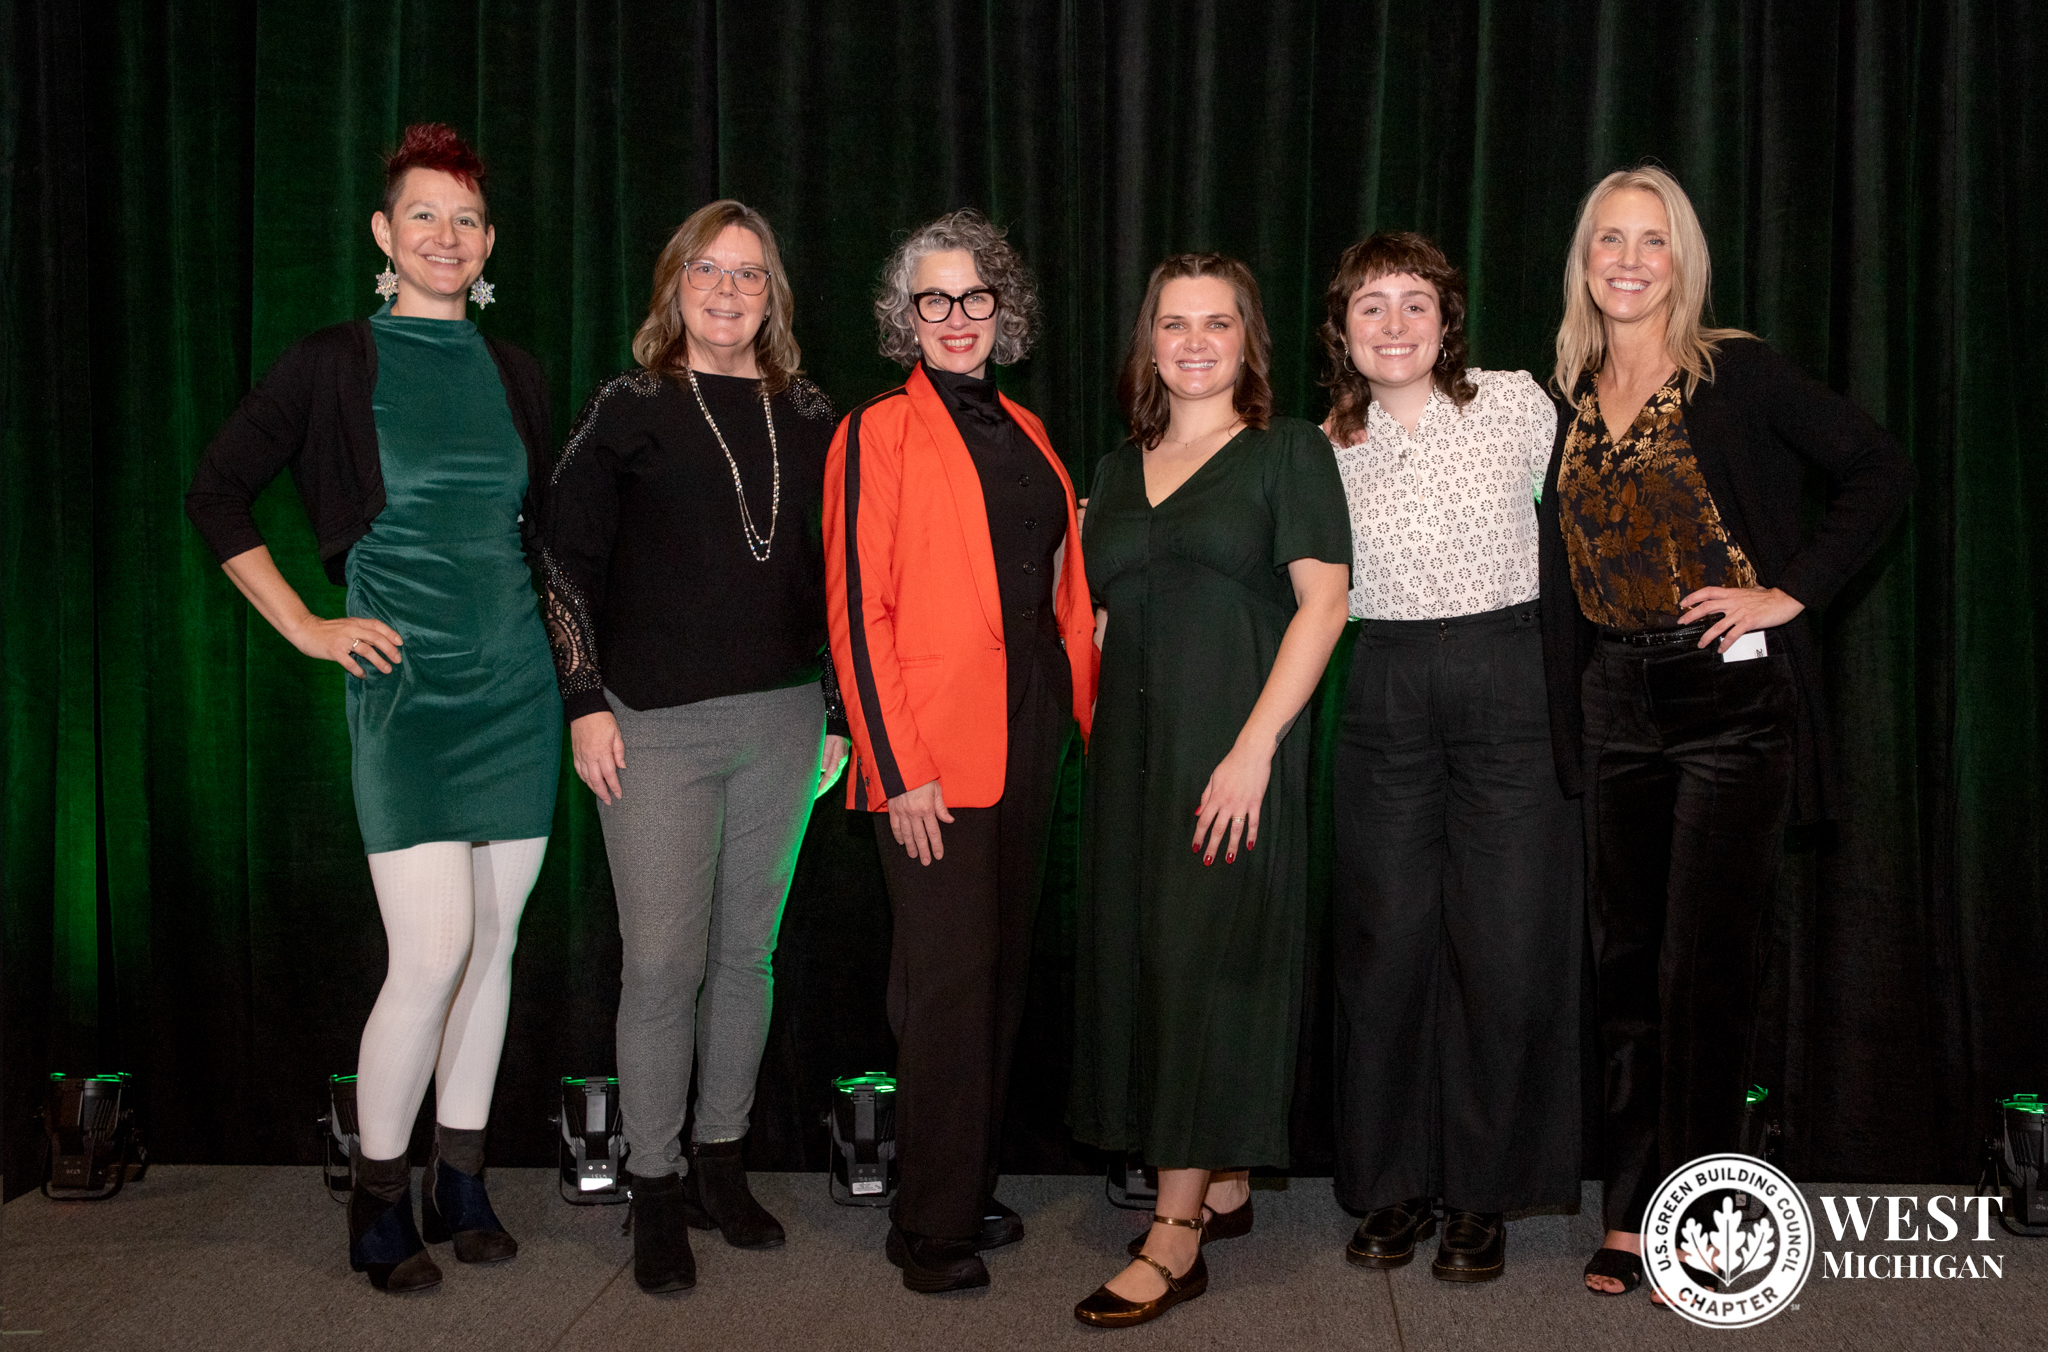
(1621, 1265)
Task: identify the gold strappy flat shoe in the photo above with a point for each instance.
(1106, 1309)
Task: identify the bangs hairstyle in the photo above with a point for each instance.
(1383, 255)
(1142, 393)
(662, 345)
(1582, 337)
(433, 145)
(999, 266)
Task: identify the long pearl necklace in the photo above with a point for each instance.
(758, 545)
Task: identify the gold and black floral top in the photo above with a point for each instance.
(1640, 528)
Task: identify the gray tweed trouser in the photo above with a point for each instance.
(702, 846)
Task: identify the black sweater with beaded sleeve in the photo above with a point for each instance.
(652, 590)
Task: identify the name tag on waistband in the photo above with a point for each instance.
(1750, 645)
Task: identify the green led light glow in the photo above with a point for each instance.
(2026, 1103)
(880, 1081)
(580, 1081)
(1757, 1094)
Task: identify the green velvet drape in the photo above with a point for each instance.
(187, 191)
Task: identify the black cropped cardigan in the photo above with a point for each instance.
(1755, 428)
(311, 414)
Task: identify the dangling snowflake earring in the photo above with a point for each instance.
(482, 293)
(387, 281)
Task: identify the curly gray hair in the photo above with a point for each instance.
(1002, 271)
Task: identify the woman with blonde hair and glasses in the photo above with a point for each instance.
(1677, 585)
(686, 606)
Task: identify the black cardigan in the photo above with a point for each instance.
(311, 414)
(1754, 428)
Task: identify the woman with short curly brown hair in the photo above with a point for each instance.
(1456, 915)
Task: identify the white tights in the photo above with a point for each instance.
(451, 919)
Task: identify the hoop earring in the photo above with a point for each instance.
(482, 293)
(387, 280)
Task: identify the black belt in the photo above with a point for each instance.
(1656, 638)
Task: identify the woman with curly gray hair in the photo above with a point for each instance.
(962, 634)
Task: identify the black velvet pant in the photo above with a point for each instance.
(958, 964)
(1458, 922)
(1688, 776)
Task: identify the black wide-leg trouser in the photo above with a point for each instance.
(1458, 922)
(1688, 777)
(959, 962)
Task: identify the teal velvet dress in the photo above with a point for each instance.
(462, 741)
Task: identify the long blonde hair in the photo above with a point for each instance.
(662, 345)
(1582, 337)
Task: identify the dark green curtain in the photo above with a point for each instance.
(187, 191)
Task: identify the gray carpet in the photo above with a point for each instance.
(230, 1258)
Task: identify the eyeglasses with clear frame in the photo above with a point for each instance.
(936, 307)
(747, 279)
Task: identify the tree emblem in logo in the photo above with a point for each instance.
(1728, 1241)
(1733, 1252)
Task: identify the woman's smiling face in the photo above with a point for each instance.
(957, 343)
(1393, 330)
(1198, 337)
(1628, 260)
(437, 236)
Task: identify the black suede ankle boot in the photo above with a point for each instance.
(662, 1260)
(720, 1199)
(382, 1239)
(454, 1205)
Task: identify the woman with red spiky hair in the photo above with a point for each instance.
(417, 446)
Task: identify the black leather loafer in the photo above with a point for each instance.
(934, 1265)
(999, 1226)
(1387, 1237)
(1473, 1249)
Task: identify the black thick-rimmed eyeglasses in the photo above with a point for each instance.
(746, 279)
(936, 307)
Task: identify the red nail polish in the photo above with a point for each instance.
(1210, 860)
(1230, 858)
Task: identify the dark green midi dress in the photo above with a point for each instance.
(462, 741)
(1188, 978)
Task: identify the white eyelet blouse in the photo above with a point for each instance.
(1443, 521)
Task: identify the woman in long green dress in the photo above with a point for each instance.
(1219, 552)
(416, 445)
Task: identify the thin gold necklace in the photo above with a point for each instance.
(1227, 429)
(758, 545)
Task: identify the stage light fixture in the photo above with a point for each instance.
(591, 1153)
(863, 1126)
(94, 1147)
(338, 1136)
(1760, 1131)
(1130, 1183)
(2017, 1158)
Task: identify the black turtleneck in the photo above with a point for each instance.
(1027, 521)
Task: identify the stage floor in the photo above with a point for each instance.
(229, 1258)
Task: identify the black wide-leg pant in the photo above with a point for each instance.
(958, 965)
(1688, 777)
(1458, 922)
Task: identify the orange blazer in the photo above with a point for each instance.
(916, 620)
